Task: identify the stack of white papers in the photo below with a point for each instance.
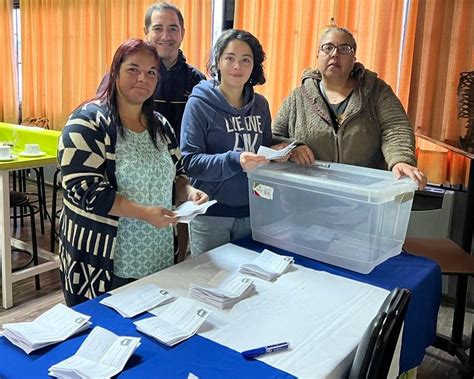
(176, 322)
(268, 265)
(273, 154)
(55, 325)
(136, 300)
(102, 355)
(224, 290)
(188, 210)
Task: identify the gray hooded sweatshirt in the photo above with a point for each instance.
(374, 132)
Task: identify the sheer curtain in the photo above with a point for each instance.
(8, 68)
(69, 44)
(289, 33)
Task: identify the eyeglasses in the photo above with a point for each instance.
(344, 49)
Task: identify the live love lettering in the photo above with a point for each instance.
(246, 131)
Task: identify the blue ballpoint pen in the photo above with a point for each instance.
(249, 354)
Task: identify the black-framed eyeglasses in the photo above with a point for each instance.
(344, 49)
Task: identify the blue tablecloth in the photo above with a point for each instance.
(207, 359)
(198, 355)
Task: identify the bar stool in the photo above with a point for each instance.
(19, 184)
(20, 199)
(455, 261)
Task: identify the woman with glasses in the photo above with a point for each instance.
(344, 113)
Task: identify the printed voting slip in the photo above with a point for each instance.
(102, 355)
(188, 210)
(267, 265)
(175, 322)
(138, 299)
(55, 325)
(272, 154)
(223, 290)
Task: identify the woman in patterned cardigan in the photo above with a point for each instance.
(121, 169)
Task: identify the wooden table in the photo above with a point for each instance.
(48, 141)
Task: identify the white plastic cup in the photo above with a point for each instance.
(5, 152)
(32, 148)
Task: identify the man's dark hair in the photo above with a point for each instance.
(257, 76)
(160, 7)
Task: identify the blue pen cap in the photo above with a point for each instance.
(249, 354)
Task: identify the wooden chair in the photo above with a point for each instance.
(453, 261)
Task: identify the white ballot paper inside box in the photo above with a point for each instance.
(188, 210)
(102, 355)
(138, 299)
(55, 325)
(223, 290)
(267, 265)
(175, 322)
(273, 154)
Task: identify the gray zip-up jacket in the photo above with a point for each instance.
(374, 132)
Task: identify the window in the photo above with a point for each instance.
(17, 45)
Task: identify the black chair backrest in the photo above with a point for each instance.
(363, 356)
(375, 351)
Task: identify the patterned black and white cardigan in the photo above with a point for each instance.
(86, 156)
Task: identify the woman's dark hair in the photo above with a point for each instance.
(127, 48)
(257, 76)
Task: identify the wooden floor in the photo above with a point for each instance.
(29, 303)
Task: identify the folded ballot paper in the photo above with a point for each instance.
(224, 290)
(138, 299)
(174, 322)
(188, 210)
(267, 265)
(102, 355)
(273, 154)
(55, 325)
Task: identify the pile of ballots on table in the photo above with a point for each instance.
(223, 290)
(267, 265)
(55, 325)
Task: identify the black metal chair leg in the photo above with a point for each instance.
(34, 245)
(40, 199)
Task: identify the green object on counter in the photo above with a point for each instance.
(18, 136)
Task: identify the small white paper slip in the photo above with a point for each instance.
(267, 265)
(136, 300)
(188, 210)
(273, 154)
(103, 354)
(175, 322)
(315, 233)
(55, 325)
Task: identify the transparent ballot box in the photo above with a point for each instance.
(348, 216)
